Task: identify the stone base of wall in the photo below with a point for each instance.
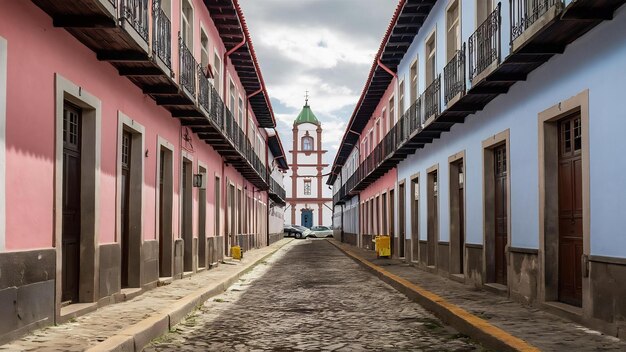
(474, 269)
(443, 257)
(150, 252)
(179, 249)
(275, 237)
(367, 242)
(423, 251)
(350, 238)
(608, 294)
(109, 270)
(27, 291)
(524, 272)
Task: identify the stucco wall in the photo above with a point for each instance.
(586, 64)
(30, 152)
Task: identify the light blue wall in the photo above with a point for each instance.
(597, 62)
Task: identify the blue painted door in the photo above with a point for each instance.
(307, 218)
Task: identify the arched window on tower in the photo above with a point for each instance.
(307, 143)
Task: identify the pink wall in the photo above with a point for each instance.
(378, 113)
(36, 51)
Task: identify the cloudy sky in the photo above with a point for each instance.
(324, 46)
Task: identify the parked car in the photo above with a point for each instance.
(321, 232)
(296, 231)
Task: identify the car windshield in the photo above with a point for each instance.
(300, 227)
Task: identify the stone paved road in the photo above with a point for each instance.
(310, 296)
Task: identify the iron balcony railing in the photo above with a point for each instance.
(204, 91)
(523, 13)
(161, 34)
(484, 44)
(187, 69)
(277, 188)
(135, 12)
(454, 76)
(432, 98)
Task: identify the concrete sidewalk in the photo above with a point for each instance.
(129, 326)
(491, 319)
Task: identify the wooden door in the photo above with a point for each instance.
(202, 223)
(161, 212)
(392, 223)
(402, 236)
(461, 198)
(70, 236)
(570, 211)
(501, 214)
(125, 214)
(433, 219)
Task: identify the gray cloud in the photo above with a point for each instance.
(324, 46)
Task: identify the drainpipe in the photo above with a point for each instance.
(226, 55)
(247, 105)
(393, 74)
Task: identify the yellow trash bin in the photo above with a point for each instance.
(236, 252)
(383, 246)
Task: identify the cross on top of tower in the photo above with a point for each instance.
(306, 97)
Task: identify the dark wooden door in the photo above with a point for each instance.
(461, 253)
(570, 211)
(161, 213)
(402, 207)
(501, 214)
(125, 235)
(433, 220)
(70, 236)
(392, 223)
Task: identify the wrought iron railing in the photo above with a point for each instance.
(484, 44)
(454, 76)
(277, 188)
(135, 12)
(161, 34)
(524, 13)
(204, 90)
(432, 98)
(187, 69)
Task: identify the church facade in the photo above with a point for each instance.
(306, 203)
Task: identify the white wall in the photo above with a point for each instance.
(594, 62)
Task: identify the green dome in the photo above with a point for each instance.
(306, 116)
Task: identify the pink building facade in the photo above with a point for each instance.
(133, 150)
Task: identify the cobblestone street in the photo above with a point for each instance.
(310, 296)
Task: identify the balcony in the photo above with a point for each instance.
(277, 192)
(454, 78)
(118, 31)
(484, 47)
(540, 29)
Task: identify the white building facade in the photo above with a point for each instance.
(307, 204)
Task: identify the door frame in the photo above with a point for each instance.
(202, 239)
(168, 247)
(186, 157)
(548, 206)
(435, 223)
(488, 146)
(3, 117)
(135, 203)
(414, 210)
(401, 250)
(455, 266)
(88, 288)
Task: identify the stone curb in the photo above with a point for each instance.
(477, 328)
(137, 336)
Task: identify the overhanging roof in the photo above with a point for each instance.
(231, 25)
(406, 22)
(276, 147)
